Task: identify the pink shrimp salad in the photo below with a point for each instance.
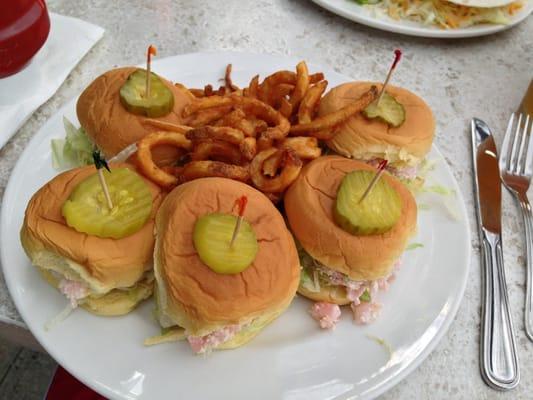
(408, 172)
(364, 312)
(203, 344)
(326, 314)
(73, 290)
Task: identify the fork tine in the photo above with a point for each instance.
(513, 158)
(521, 158)
(529, 157)
(505, 154)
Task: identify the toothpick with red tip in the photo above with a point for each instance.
(381, 168)
(241, 203)
(397, 57)
(152, 51)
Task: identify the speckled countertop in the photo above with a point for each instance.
(484, 77)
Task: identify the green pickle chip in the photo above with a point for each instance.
(133, 95)
(377, 213)
(212, 237)
(389, 110)
(86, 208)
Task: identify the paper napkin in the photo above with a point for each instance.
(21, 94)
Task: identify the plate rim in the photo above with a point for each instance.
(421, 31)
(382, 388)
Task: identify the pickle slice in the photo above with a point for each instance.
(388, 110)
(212, 237)
(133, 95)
(86, 209)
(377, 213)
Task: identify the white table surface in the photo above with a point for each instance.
(484, 77)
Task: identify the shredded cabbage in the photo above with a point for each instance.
(444, 14)
(73, 151)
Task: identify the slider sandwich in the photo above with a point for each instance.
(400, 129)
(100, 258)
(349, 245)
(114, 108)
(222, 292)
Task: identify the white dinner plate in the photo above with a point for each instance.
(367, 16)
(291, 359)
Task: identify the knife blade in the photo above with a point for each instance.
(498, 358)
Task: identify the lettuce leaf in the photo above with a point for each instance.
(75, 150)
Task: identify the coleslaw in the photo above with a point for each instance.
(441, 13)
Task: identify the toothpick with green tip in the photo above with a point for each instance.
(99, 163)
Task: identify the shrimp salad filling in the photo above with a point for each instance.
(77, 291)
(362, 294)
(206, 343)
(406, 173)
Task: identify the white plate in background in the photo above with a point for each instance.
(365, 15)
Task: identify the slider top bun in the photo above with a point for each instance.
(309, 206)
(363, 139)
(110, 262)
(109, 125)
(201, 300)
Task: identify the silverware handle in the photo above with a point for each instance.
(499, 362)
(528, 224)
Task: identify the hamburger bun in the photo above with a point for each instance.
(111, 127)
(309, 206)
(193, 296)
(365, 139)
(116, 271)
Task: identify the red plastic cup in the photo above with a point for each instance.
(24, 27)
(65, 386)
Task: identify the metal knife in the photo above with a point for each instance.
(498, 359)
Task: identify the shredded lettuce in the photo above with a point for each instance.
(448, 196)
(63, 315)
(413, 246)
(73, 151)
(439, 189)
(423, 206)
(172, 334)
(308, 282)
(383, 343)
(365, 296)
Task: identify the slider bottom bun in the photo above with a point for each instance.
(251, 331)
(114, 303)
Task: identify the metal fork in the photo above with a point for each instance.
(516, 170)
